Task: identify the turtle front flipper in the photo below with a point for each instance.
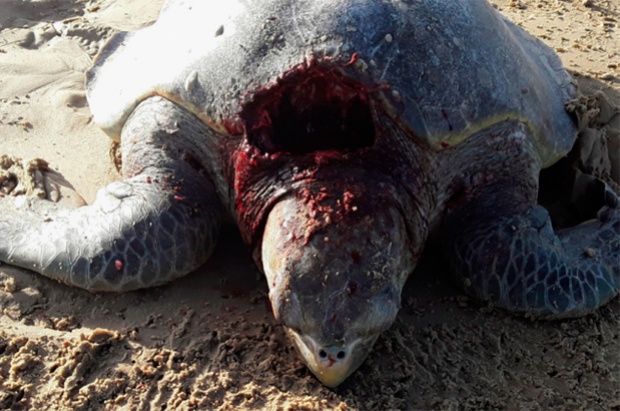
(158, 224)
(519, 263)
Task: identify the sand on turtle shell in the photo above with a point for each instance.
(208, 340)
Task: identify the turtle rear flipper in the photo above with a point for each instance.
(158, 224)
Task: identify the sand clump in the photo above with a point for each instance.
(209, 340)
(22, 178)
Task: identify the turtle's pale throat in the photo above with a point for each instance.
(311, 109)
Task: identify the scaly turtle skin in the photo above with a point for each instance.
(338, 134)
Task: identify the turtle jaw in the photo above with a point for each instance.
(331, 363)
(335, 296)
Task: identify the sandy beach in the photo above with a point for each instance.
(209, 340)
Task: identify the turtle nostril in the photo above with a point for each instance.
(340, 355)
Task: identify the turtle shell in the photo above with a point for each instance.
(443, 69)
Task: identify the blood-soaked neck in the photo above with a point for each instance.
(333, 183)
(322, 136)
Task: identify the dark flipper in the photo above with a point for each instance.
(520, 264)
(157, 225)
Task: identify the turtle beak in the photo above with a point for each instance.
(331, 364)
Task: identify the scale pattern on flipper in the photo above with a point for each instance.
(149, 229)
(119, 243)
(520, 264)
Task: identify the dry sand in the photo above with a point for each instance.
(209, 341)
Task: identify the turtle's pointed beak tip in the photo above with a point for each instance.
(331, 363)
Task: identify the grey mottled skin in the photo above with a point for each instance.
(502, 246)
(459, 109)
(156, 225)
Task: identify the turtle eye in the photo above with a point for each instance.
(383, 309)
(309, 111)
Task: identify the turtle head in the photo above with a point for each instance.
(335, 275)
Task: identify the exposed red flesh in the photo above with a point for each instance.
(333, 180)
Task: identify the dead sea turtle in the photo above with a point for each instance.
(338, 134)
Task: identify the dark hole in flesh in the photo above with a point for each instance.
(310, 111)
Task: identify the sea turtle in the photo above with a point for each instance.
(338, 134)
